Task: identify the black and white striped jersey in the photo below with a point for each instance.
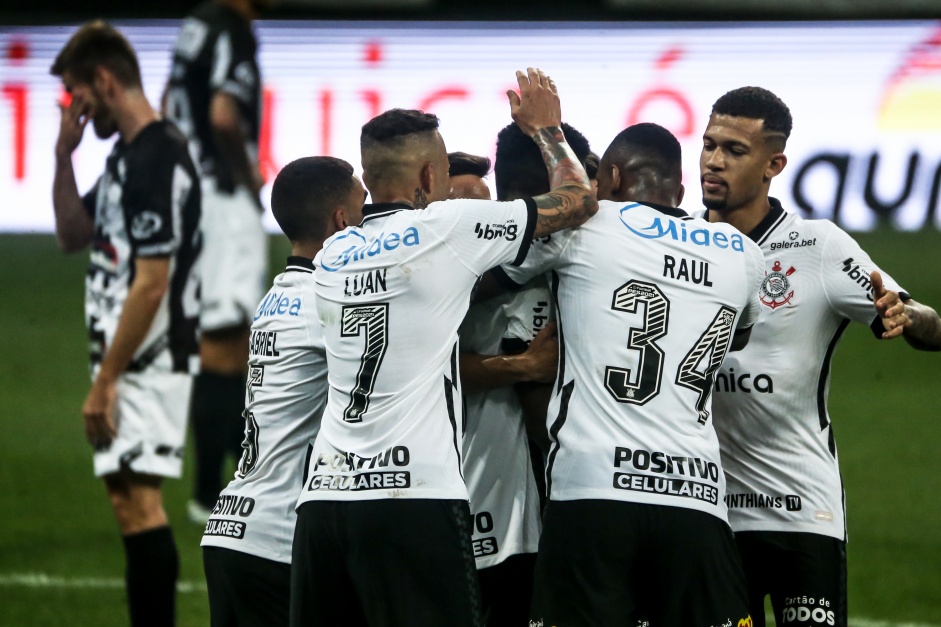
(146, 204)
(215, 52)
(648, 300)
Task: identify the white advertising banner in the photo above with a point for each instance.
(866, 99)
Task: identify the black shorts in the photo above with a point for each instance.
(384, 563)
(804, 573)
(506, 591)
(610, 563)
(246, 590)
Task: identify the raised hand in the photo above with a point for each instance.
(71, 127)
(537, 106)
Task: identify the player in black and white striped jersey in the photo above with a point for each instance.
(141, 297)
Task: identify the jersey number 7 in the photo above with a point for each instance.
(374, 320)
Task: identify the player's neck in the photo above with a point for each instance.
(134, 115)
(744, 218)
(308, 250)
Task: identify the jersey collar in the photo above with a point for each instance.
(300, 264)
(670, 211)
(767, 225)
(382, 209)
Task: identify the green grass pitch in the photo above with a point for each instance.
(55, 519)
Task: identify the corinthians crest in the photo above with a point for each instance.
(776, 289)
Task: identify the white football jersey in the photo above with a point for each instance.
(648, 300)
(284, 399)
(391, 294)
(504, 497)
(770, 399)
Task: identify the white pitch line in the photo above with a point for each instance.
(41, 580)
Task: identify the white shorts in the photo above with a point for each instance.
(234, 260)
(150, 416)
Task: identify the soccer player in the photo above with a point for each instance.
(785, 495)
(247, 542)
(467, 174)
(649, 301)
(214, 96)
(496, 354)
(384, 507)
(141, 297)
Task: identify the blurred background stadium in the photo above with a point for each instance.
(866, 152)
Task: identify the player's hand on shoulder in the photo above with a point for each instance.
(537, 106)
(73, 118)
(890, 308)
(98, 412)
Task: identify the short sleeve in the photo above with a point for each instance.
(755, 262)
(233, 66)
(156, 189)
(90, 199)
(528, 312)
(543, 256)
(484, 234)
(845, 275)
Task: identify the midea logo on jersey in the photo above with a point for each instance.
(352, 247)
(665, 227)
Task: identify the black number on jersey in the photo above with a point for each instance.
(374, 319)
(714, 340)
(250, 445)
(650, 371)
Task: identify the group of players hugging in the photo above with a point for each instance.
(632, 428)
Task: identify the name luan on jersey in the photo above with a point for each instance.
(648, 300)
(391, 295)
(146, 204)
(285, 395)
(770, 399)
(504, 497)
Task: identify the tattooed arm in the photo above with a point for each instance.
(537, 111)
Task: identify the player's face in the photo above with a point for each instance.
(469, 186)
(87, 100)
(734, 163)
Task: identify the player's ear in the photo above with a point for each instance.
(775, 165)
(339, 219)
(427, 177)
(679, 196)
(616, 181)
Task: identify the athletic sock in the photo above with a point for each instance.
(152, 570)
(216, 413)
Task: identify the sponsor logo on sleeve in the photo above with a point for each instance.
(859, 276)
(145, 224)
(507, 230)
(776, 289)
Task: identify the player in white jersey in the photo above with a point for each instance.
(247, 541)
(141, 298)
(504, 497)
(384, 503)
(649, 301)
(785, 496)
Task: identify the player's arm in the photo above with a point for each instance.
(537, 363)
(151, 278)
(74, 226)
(226, 122)
(538, 113)
(917, 323)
